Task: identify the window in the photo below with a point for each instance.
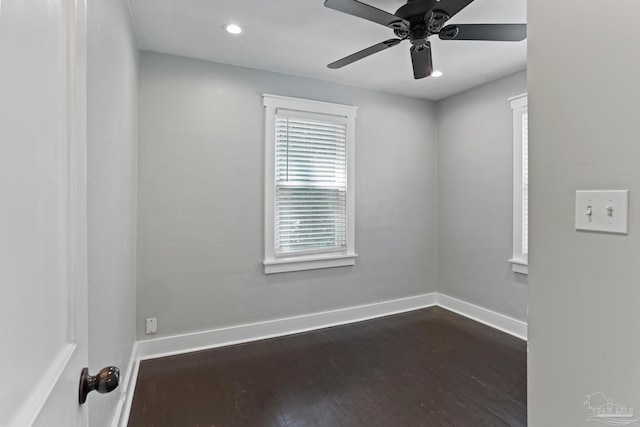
(520, 259)
(309, 184)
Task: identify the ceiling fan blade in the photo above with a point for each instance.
(488, 32)
(364, 11)
(364, 53)
(421, 60)
(452, 7)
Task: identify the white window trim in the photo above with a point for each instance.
(519, 261)
(273, 264)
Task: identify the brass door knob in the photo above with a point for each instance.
(106, 381)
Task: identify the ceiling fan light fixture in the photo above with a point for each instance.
(233, 28)
(436, 73)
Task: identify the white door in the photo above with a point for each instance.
(43, 254)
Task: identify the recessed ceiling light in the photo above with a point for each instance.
(233, 28)
(436, 74)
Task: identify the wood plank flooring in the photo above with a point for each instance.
(428, 367)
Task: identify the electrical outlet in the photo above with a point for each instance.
(152, 325)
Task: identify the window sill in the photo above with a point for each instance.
(283, 265)
(519, 266)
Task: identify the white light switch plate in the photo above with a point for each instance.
(601, 210)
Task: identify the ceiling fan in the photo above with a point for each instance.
(416, 21)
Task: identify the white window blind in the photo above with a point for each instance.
(311, 185)
(525, 183)
(520, 258)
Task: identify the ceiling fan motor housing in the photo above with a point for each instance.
(415, 8)
(423, 21)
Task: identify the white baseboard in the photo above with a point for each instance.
(177, 344)
(185, 343)
(196, 341)
(121, 417)
(507, 324)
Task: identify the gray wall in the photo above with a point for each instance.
(112, 163)
(475, 193)
(583, 287)
(201, 183)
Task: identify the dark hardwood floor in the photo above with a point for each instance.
(428, 367)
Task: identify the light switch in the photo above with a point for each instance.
(601, 210)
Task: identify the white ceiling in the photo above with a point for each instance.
(301, 37)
